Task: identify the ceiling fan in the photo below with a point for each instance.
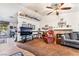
(56, 7)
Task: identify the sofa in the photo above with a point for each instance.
(70, 39)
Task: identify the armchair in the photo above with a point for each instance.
(49, 36)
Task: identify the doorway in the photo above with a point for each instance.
(3, 31)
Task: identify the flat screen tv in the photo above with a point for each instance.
(25, 31)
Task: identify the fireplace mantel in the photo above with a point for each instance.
(62, 30)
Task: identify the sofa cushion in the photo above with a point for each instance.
(71, 36)
(67, 36)
(74, 36)
(78, 36)
(72, 41)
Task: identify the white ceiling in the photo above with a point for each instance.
(41, 7)
(10, 9)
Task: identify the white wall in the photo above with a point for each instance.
(71, 19)
(50, 20)
(31, 13)
(23, 19)
(28, 20)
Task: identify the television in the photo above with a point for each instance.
(25, 31)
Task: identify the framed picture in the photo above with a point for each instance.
(33, 27)
(29, 25)
(23, 25)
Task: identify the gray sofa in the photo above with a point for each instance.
(70, 39)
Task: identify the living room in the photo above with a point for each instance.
(33, 21)
(46, 18)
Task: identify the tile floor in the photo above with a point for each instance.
(10, 47)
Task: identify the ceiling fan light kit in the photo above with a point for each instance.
(57, 13)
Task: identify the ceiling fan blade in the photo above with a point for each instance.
(49, 7)
(65, 8)
(62, 4)
(49, 12)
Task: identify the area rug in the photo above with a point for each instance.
(40, 48)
